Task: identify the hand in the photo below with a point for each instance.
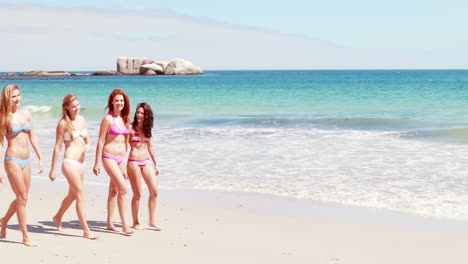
(1, 177)
(96, 169)
(87, 147)
(52, 175)
(41, 166)
(156, 170)
(125, 174)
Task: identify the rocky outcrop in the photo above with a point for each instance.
(131, 66)
(106, 73)
(150, 72)
(163, 64)
(45, 74)
(153, 66)
(182, 67)
(145, 66)
(127, 66)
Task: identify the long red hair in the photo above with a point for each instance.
(126, 110)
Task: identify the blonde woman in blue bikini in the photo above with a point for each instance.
(71, 131)
(16, 126)
(111, 149)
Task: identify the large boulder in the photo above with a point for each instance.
(153, 66)
(182, 67)
(163, 64)
(131, 65)
(150, 72)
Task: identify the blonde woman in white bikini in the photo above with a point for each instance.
(71, 131)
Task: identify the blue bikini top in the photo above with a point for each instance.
(15, 129)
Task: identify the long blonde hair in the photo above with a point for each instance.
(65, 115)
(6, 108)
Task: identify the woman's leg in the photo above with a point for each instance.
(150, 178)
(111, 201)
(67, 201)
(75, 180)
(134, 174)
(118, 182)
(5, 219)
(20, 180)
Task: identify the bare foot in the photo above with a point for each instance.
(58, 222)
(155, 227)
(3, 229)
(111, 227)
(127, 230)
(90, 236)
(137, 227)
(28, 242)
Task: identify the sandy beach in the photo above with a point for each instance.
(284, 133)
(230, 228)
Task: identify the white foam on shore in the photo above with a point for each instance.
(360, 168)
(38, 108)
(373, 169)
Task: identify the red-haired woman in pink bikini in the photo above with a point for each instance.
(111, 149)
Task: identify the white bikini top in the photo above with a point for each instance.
(76, 134)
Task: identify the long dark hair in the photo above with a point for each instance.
(147, 120)
(126, 110)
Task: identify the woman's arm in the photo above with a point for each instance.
(127, 143)
(1, 151)
(87, 139)
(33, 139)
(105, 124)
(153, 155)
(59, 132)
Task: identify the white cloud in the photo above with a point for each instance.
(42, 38)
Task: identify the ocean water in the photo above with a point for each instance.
(392, 139)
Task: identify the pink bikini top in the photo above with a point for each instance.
(115, 129)
(136, 138)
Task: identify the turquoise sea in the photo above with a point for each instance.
(390, 139)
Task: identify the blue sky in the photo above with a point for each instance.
(294, 34)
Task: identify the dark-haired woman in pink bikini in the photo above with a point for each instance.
(111, 149)
(138, 167)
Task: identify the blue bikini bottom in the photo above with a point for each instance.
(22, 162)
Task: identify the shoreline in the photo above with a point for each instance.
(210, 226)
(264, 204)
(280, 205)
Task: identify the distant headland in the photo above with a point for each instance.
(129, 66)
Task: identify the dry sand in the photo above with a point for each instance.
(219, 232)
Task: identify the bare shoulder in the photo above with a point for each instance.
(82, 120)
(106, 122)
(61, 124)
(107, 119)
(26, 113)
